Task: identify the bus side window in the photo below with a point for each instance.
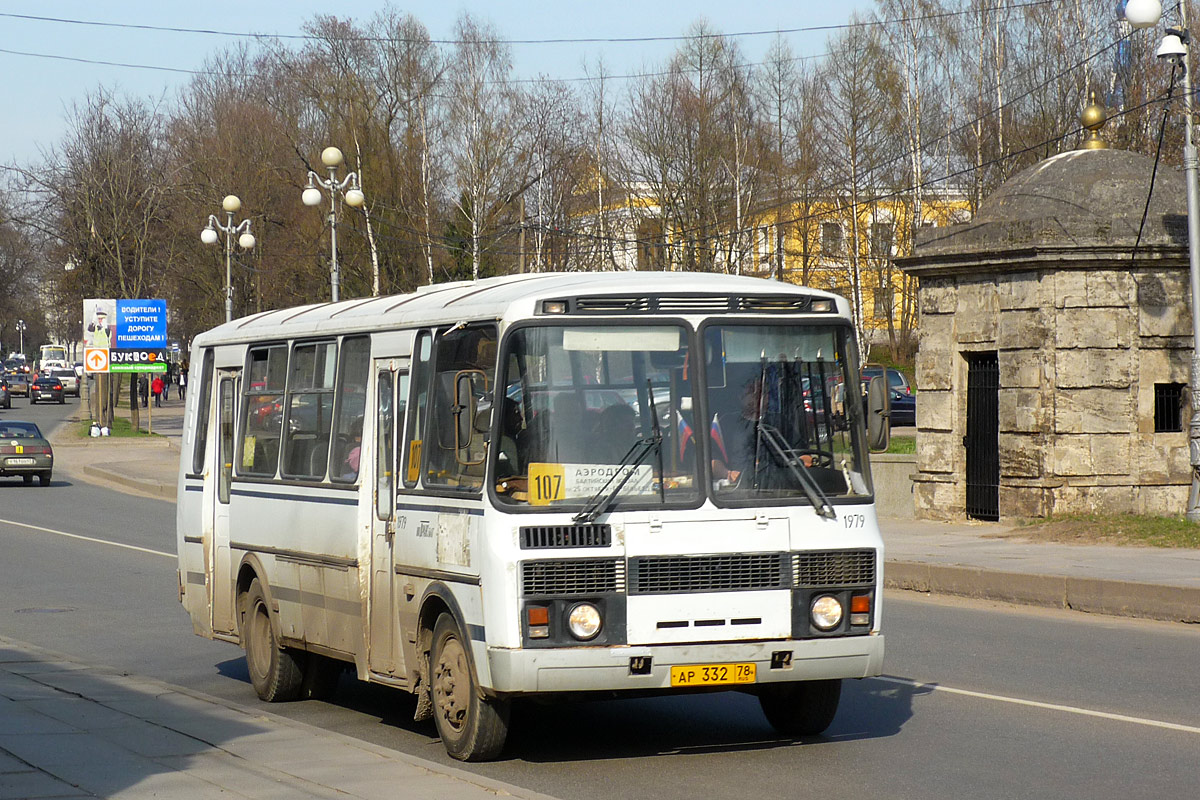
(225, 432)
(463, 381)
(413, 450)
(385, 440)
(309, 410)
(353, 369)
(262, 409)
(203, 409)
(401, 408)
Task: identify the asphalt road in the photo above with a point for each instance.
(981, 700)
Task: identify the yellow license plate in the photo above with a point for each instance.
(713, 674)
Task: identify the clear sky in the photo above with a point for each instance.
(39, 91)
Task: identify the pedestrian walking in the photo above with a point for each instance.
(144, 390)
(182, 382)
(156, 388)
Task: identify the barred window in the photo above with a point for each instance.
(1168, 407)
(831, 238)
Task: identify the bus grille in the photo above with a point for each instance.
(572, 576)
(534, 537)
(834, 568)
(716, 573)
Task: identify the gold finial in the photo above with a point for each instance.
(1093, 118)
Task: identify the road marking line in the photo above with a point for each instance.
(1086, 712)
(88, 538)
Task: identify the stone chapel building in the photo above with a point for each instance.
(1053, 356)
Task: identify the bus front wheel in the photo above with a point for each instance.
(472, 727)
(274, 671)
(806, 708)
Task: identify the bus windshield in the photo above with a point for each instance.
(54, 353)
(596, 415)
(783, 424)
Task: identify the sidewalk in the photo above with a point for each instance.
(69, 730)
(985, 560)
(147, 466)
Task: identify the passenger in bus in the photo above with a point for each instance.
(615, 433)
(350, 465)
(569, 439)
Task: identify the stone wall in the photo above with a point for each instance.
(1080, 352)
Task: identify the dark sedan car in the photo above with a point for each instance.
(18, 383)
(904, 408)
(25, 452)
(5, 397)
(47, 389)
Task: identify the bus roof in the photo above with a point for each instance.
(517, 296)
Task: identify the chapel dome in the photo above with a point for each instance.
(1080, 198)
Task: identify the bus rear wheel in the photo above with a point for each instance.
(806, 708)
(274, 671)
(472, 727)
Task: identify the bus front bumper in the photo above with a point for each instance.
(584, 669)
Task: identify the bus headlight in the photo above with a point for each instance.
(584, 621)
(826, 612)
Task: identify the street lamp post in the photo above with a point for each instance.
(232, 204)
(21, 333)
(1174, 48)
(348, 188)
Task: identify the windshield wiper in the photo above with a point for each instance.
(792, 460)
(633, 459)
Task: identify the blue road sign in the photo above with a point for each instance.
(141, 324)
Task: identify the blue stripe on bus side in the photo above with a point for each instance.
(474, 512)
(353, 501)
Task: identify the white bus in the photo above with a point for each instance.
(53, 356)
(534, 485)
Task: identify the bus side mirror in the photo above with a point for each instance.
(465, 407)
(879, 411)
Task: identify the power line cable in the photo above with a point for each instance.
(556, 40)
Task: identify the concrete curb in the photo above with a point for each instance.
(1094, 595)
(150, 487)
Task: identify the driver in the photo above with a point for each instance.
(735, 436)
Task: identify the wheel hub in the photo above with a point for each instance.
(450, 687)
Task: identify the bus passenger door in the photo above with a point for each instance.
(385, 654)
(219, 557)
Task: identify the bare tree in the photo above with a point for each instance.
(484, 130)
(413, 73)
(856, 123)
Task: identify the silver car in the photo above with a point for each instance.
(70, 381)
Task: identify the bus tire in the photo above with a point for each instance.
(472, 727)
(275, 671)
(805, 708)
